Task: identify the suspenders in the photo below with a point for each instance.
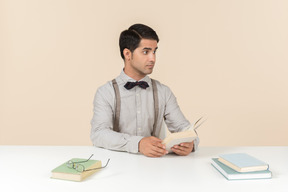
(156, 105)
(118, 106)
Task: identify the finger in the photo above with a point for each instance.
(155, 149)
(179, 148)
(180, 151)
(159, 149)
(159, 145)
(187, 145)
(155, 153)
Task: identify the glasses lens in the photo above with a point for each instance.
(69, 164)
(79, 167)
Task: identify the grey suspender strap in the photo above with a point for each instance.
(118, 106)
(156, 105)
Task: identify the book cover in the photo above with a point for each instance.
(231, 174)
(66, 173)
(243, 162)
(179, 137)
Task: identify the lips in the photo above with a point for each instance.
(150, 66)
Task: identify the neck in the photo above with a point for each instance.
(133, 74)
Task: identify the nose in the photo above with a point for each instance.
(152, 58)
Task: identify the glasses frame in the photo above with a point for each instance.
(81, 168)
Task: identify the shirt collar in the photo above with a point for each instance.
(125, 78)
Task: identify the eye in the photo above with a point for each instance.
(145, 52)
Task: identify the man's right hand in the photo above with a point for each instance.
(152, 147)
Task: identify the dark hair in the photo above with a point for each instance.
(131, 38)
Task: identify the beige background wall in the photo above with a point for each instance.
(231, 54)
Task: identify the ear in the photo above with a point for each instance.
(127, 54)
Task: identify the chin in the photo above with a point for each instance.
(149, 72)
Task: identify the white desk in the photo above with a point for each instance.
(28, 168)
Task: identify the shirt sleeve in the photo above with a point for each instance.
(102, 134)
(174, 118)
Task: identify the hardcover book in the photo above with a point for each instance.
(243, 162)
(188, 135)
(67, 173)
(231, 174)
(177, 138)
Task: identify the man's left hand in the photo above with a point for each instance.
(183, 149)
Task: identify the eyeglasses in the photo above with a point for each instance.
(80, 168)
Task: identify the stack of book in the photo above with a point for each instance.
(237, 166)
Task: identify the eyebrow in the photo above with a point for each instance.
(148, 48)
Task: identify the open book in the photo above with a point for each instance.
(188, 135)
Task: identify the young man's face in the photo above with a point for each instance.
(142, 60)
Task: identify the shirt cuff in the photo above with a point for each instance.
(133, 146)
(196, 143)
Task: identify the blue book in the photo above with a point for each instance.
(231, 174)
(243, 162)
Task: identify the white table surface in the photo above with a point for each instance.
(28, 168)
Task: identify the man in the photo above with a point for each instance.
(139, 121)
